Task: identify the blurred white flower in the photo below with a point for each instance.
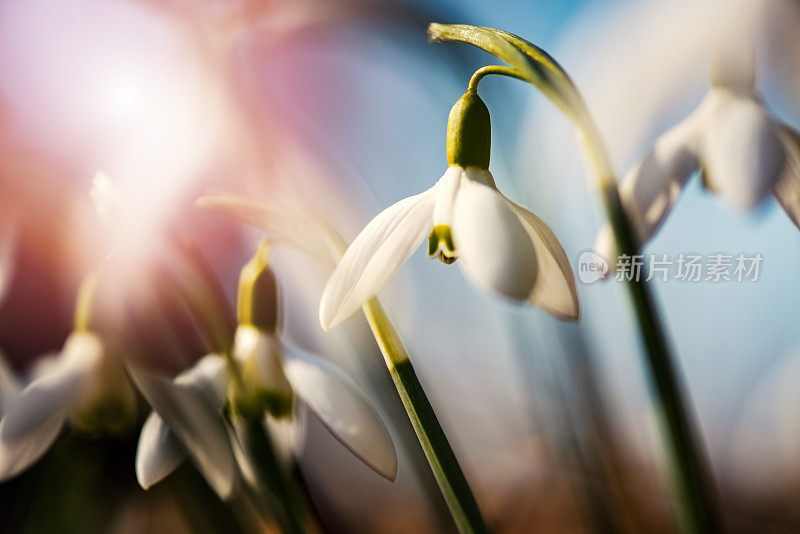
(503, 246)
(742, 152)
(273, 374)
(186, 421)
(83, 384)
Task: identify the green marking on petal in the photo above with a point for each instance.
(440, 243)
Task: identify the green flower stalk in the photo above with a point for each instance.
(259, 383)
(694, 489)
(314, 236)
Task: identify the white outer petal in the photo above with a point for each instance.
(742, 151)
(33, 421)
(494, 247)
(335, 399)
(196, 423)
(159, 452)
(280, 222)
(787, 188)
(650, 188)
(446, 189)
(554, 288)
(209, 376)
(375, 256)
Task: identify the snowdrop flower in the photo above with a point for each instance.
(271, 377)
(502, 246)
(741, 151)
(84, 384)
(186, 421)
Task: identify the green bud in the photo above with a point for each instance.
(257, 297)
(469, 132)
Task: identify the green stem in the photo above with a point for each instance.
(441, 458)
(692, 483)
(493, 69)
(286, 505)
(691, 479)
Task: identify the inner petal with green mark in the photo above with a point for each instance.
(440, 244)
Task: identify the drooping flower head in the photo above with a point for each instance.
(502, 246)
(84, 384)
(741, 151)
(266, 378)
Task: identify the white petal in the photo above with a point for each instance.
(280, 222)
(196, 423)
(375, 255)
(334, 398)
(34, 420)
(19, 454)
(742, 151)
(209, 376)
(446, 189)
(554, 288)
(733, 58)
(650, 188)
(159, 452)
(787, 187)
(494, 247)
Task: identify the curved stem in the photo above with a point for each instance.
(441, 458)
(493, 69)
(691, 480)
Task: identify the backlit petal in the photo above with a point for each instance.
(742, 151)
(494, 247)
(446, 189)
(333, 397)
(554, 288)
(34, 419)
(159, 452)
(196, 423)
(209, 376)
(375, 256)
